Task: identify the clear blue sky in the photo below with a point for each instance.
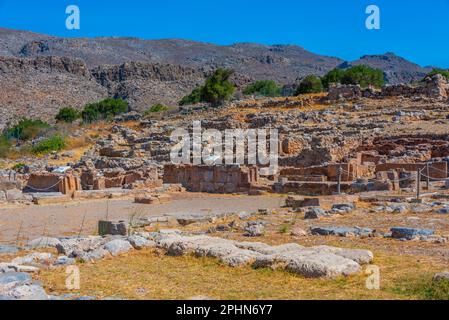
(415, 29)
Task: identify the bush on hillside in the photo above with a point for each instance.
(26, 129)
(364, 76)
(444, 73)
(215, 91)
(310, 84)
(55, 143)
(67, 115)
(104, 109)
(156, 109)
(333, 76)
(266, 88)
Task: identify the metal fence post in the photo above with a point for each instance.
(418, 183)
(339, 180)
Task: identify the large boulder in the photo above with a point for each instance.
(410, 233)
(315, 213)
(43, 242)
(118, 246)
(321, 261)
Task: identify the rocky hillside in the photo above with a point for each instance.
(39, 74)
(396, 69)
(39, 87)
(283, 63)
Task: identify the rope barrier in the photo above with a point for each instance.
(46, 189)
(398, 180)
(435, 179)
(439, 170)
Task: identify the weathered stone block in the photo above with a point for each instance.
(112, 228)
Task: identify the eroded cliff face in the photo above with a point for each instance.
(39, 87)
(144, 84)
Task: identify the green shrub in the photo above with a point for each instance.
(310, 84)
(444, 73)
(266, 88)
(5, 147)
(218, 88)
(155, 109)
(68, 115)
(26, 129)
(424, 288)
(333, 76)
(363, 76)
(104, 109)
(192, 98)
(215, 91)
(55, 143)
(284, 228)
(18, 166)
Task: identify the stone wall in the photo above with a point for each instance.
(435, 87)
(213, 179)
(437, 170)
(52, 182)
(118, 178)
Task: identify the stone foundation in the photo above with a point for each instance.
(213, 179)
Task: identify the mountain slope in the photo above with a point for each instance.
(396, 69)
(283, 63)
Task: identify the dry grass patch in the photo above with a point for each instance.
(149, 274)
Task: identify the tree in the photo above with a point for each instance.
(215, 91)
(310, 84)
(156, 109)
(363, 76)
(266, 88)
(67, 115)
(55, 143)
(333, 76)
(444, 73)
(103, 109)
(218, 88)
(192, 98)
(26, 129)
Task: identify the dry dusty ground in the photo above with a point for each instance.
(406, 267)
(67, 219)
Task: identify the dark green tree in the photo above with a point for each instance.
(217, 89)
(104, 109)
(444, 73)
(310, 84)
(333, 76)
(67, 114)
(26, 129)
(192, 98)
(266, 88)
(363, 76)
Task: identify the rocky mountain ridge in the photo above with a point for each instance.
(39, 74)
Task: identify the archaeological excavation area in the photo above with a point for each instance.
(357, 209)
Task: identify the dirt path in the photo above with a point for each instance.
(66, 219)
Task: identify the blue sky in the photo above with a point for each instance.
(416, 30)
